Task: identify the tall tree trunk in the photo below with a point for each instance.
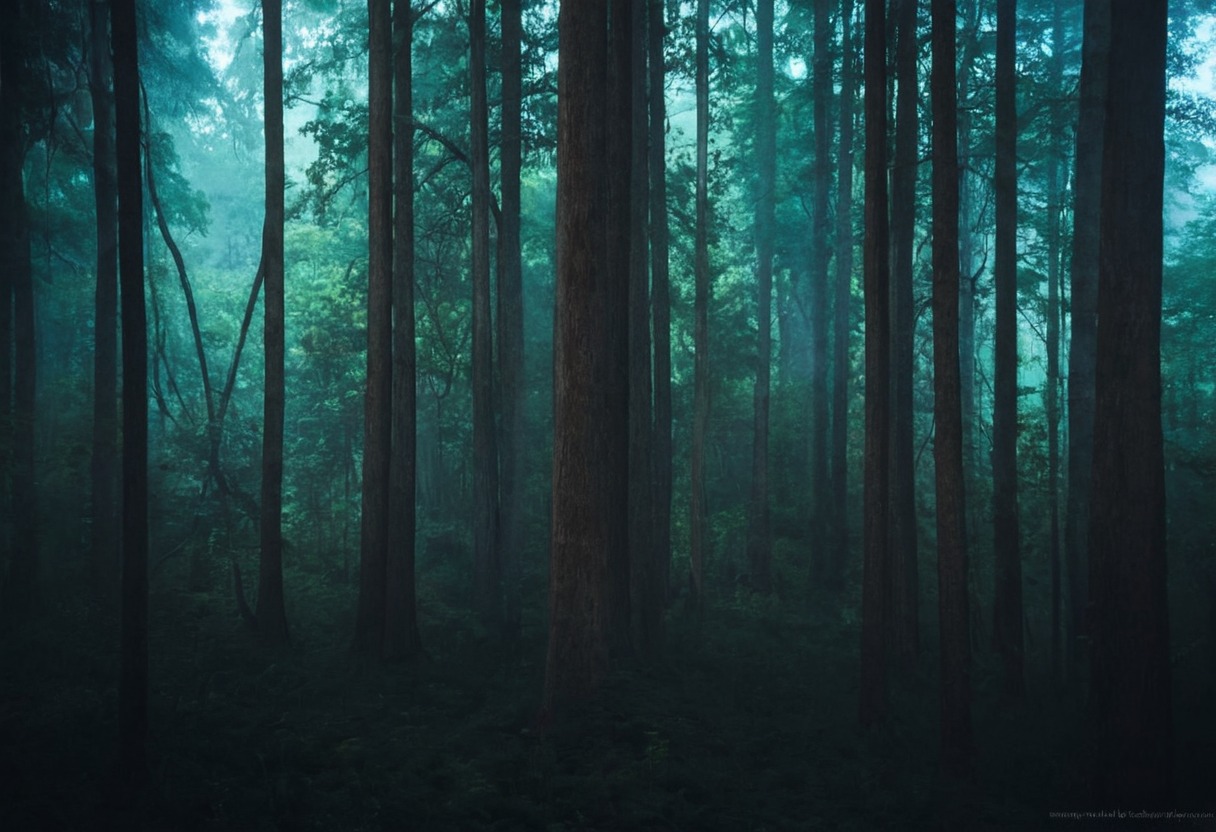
(577, 658)
(401, 638)
(699, 515)
(104, 462)
(659, 239)
(647, 592)
(1007, 602)
(843, 290)
(133, 674)
(271, 617)
(905, 627)
(832, 571)
(1083, 321)
(21, 586)
(948, 443)
(377, 401)
(487, 580)
(875, 588)
(1130, 684)
(759, 535)
(511, 320)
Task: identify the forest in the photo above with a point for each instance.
(607, 414)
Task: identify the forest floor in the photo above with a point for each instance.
(748, 723)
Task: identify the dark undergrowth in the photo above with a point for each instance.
(748, 722)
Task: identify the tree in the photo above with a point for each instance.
(486, 567)
(759, 541)
(377, 402)
(104, 460)
(271, 617)
(1130, 685)
(1007, 605)
(1083, 318)
(699, 520)
(401, 637)
(905, 625)
(133, 675)
(875, 588)
(953, 615)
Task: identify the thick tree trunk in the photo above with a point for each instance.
(272, 619)
(905, 626)
(1130, 683)
(104, 462)
(948, 443)
(1007, 601)
(876, 583)
(512, 439)
(759, 536)
(133, 674)
(699, 513)
(831, 571)
(487, 578)
(659, 243)
(377, 401)
(1083, 322)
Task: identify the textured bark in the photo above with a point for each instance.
(104, 462)
(831, 571)
(699, 519)
(1083, 322)
(905, 624)
(1007, 601)
(272, 619)
(133, 671)
(661, 301)
(577, 659)
(956, 749)
(843, 290)
(875, 588)
(759, 536)
(401, 638)
(511, 321)
(377, 401)
(1130, 680)
(487, 578)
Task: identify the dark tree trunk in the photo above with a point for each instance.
(1130, 683)
(699, 514)
(659, 239)
(948, 444)
(401, 638)
(272, 619)
(759, 538)
(487, 580)
(577, 658)
(1007, 602)
(905, 627)
(133, 674)
(1083, 322)
(647, 592)
(511, 320)
(377, 401)
(104, 462)
(830, 570)
(843, 291)
(876, 583)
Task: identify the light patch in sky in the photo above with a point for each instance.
(222, 16)
(796, 69)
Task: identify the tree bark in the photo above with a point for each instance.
(1130, 683)
(271, 616)
(1007, 601)
(953, 599)
(377, 401)
(104, 462)
(699, 519)
(875, 589)
(759, 538)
